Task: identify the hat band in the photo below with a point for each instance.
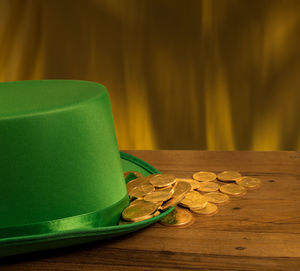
(104, 217)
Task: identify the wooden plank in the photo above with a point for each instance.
(260, 231)
(126, 259)
(225, 243)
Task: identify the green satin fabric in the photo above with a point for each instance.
(59, 155)
(86, 233)
(107, 216)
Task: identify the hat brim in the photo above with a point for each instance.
(24, 244)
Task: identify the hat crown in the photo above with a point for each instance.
(58, 151)
(37, 96)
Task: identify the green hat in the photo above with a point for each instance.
(61, 173)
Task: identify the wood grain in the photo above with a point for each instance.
(260, 231)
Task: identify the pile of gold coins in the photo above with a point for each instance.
(199, 195)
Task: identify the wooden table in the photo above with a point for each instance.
(260, 231)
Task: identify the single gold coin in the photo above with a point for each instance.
(195, 184)
(137, 174)
(233, 189)
(141, 190)
(142, 218)
(162, 180)
(164, 188)
(137, 182)
(194, 199)
(158, 195)
(159, 204)
(138, 211)
(156, 213)
(209, 209)
(249, 182)
(181, 188)
(204, 176)
(135, 201)
(179, 217)
(216, 197)
(208, 187)
(172, 202)
(152, 175)
(228, 176)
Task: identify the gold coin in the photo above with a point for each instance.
(204, 176)
(208, 187)
(177, 218)
(158, 204)
(229, 176)
(156, 213)
(152, 175)
(172, 202)
(157, 195)
(164, 188)
(139, 211)
(233, 189)
(142, 218)
(162, 180)
(181, 188)
(209, 209)
(249, 182)
(216, 197)
(137, 182)
(137, 174)
(194, 199)
(141, 190)
(195, 184)
(135, 201)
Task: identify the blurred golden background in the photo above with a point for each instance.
(193, 74)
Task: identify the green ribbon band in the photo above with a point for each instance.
(104, 217)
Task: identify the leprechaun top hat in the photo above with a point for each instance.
(61, 175)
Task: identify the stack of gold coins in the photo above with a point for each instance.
(199, 195)
(151, 195)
